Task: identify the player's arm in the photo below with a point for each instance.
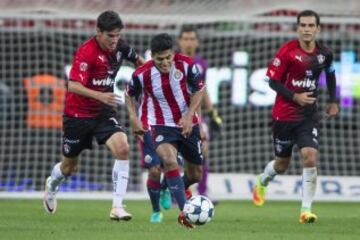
(131, 54)
(197, 88)
(332, 108)
(209, 109)
(133, 91)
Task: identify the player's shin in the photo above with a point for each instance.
(120, 177)
(176, 186)
(268, 174)
(308, 188)
(56, 178)
(153, 188)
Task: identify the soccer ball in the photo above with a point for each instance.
(199, 210)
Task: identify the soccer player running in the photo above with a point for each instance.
(188, 42)
(171, 91)
(294, 75)
(89, 110)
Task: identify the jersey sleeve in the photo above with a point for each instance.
(80, 67)
(127, 51)
(278, 66)
(134, 88)
(194, 80)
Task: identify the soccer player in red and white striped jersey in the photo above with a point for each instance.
(171, 91)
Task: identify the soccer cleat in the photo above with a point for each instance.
(188, 193)
(156, 217)
(119, 213)
(307, 217)
(165, 199)
(259, 193)
(182, 220)
(49, 200)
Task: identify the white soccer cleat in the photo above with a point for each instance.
(119, 213)
(49, 201)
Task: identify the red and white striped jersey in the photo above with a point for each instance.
(165, 97)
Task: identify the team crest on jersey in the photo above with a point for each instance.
(118, 56)
(276, 62)
(321, 58)
(178, 75)
(83, 66)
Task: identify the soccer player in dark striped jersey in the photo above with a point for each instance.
(294, 75)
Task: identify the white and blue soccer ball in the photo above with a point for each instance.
(199, 210)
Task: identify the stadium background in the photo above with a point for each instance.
(39, 39)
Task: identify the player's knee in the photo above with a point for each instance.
(195, 174)
(122, 151)
(309, 157)
(154, 173)
(68, 167)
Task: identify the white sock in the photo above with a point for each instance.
(120, 176)
(56, 178)
(308, 187)
(268, 174)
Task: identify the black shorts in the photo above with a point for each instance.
(189, 148)
(78, 133)
(303, 133)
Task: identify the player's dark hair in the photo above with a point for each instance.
(108, 21)
(308, 13)
(188, 28)
(161, 42)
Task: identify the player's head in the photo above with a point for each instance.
(188, 40)
(308, 25)
(108, 30)
(162, 51)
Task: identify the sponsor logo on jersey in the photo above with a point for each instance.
(200, 68)
(83, 66)
(306, 83)
(102, 58)
(276, 62)
(321, 58)
(103, 82)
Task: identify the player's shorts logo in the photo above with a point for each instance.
(66, 148)
(159, 138)
(147, 158)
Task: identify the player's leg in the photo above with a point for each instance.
(307, 141)
(151, 162)
(119, 147)
(108, 131)
(202, 186)
(283, 143)
(76, 137)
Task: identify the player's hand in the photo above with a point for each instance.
(304, 98)
(138, 129)
(111, 99)
(186, 124)
(215, 123)
(332, 110)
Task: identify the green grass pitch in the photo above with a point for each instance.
(80, 219)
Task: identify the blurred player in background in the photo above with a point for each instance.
(89, 110)
(171, 91)
(188, 42)
(294, 75)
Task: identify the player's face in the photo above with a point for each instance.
(163, 60)
(307, 29)
(188, 43)
(108, 39)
